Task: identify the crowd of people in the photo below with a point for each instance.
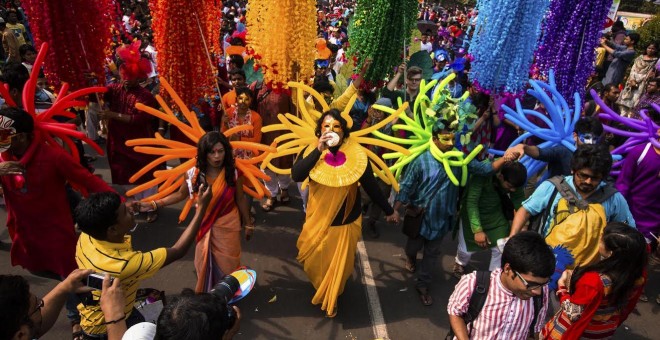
(572, 240)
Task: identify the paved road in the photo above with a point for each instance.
(272, 254)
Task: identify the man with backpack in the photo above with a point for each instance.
(510, 302)
(572, 211)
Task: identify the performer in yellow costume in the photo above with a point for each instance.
(333, 162)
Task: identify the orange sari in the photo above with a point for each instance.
(218, 249)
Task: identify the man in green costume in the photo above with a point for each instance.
(486, 213)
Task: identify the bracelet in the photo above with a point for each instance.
(154, 205)
(114, 321)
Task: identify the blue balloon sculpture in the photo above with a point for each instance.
(560, 120)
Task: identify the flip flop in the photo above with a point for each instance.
(424, 296)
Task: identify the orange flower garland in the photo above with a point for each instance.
(281, 37)
(78, 32)
(182, 59)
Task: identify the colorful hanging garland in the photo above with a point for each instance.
(503, 43)
(182, 58)
(570, 34)
(77, 31)
(378, 31)
(281, 37)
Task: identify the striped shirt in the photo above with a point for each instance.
(504, 315)
(118, 260)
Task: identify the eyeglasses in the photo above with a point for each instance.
(583, 177)
(40, 304)
(531, 285)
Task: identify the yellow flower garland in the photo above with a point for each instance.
(281, 35)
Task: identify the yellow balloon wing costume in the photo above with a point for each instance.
(171, 180)
(301, 136)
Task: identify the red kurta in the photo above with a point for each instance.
(38, 215)
(124, 162)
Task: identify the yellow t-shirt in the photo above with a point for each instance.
(19, 32)
(118, 260)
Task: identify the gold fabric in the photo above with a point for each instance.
(327, 252)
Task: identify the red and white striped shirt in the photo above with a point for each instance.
(504, 315)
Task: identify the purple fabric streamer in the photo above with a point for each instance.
(570, 34)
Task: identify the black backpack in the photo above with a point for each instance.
(478, 300)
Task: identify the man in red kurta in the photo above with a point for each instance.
(125, 122)
(38, 214)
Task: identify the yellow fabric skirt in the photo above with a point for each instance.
(219, 252)
(326, 252)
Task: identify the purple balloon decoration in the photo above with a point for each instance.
(570, 34)
(646, 129)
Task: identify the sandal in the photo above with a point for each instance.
(268, 204)
(284, 196)
(76, 331)
(152, 216)
(411, 265)
(424, 296)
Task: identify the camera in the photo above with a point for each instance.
(96, 281)
(226, 290)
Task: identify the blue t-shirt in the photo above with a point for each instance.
(616, 207)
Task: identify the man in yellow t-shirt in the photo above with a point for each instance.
(19, 30)
(105, 247)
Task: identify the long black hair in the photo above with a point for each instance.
(205, 145)
(625, 265)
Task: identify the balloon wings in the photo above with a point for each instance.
(301, 137)
(426, 112)
(172, 179)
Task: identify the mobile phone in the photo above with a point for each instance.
(95, 281)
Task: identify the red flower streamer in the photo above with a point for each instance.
(78, 32)
(182, 59)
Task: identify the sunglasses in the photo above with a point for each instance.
(322, 64)
(531, 285)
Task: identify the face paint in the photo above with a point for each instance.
(588, 138)
(446, 138)
(7, 132)
(330, 124)
(244, 100)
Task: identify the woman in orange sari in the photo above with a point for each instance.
(218, 249)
